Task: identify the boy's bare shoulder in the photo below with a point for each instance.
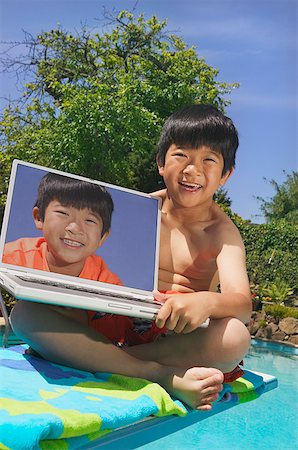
(162, 193)
(221, 216)
(225, 227)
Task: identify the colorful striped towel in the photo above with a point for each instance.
(49, 406)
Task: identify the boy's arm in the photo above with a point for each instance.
(234, 299)
(185, 312)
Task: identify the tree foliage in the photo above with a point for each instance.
(95, 103)
(284, 204)
(221, 197)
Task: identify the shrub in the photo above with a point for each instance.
(262, 323)
(272, 252)
(278, 291)
(281, 311)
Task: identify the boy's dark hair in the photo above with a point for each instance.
(76, 193)
(197, 125)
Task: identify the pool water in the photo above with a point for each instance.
(270, 422)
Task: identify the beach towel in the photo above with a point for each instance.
(46, 406)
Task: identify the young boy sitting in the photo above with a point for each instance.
(199, 245)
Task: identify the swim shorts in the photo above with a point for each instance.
(123, 330)
(126, 331)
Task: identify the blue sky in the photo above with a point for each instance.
(251, 42)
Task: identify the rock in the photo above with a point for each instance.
(278, 336)
(264, 332)
(289, 325)
(273, 327)
(282, 330)
(253, 327)
(293, 339)
(261, 315)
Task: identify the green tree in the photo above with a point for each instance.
(284, 204)
(221, 197)
(95, 103)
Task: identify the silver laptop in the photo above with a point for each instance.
(130, 251)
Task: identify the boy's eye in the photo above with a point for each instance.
(93, 219)
(180, 154)
(60, 211)
(212, 159)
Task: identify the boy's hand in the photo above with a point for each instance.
(182, 313)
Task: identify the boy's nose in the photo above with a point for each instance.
(191, 168)
(74, 227)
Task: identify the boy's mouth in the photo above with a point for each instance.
(192, 187)
(71, 243)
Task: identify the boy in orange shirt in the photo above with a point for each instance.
(75, 218)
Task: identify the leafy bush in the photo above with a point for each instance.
(263, 323)
(278, 292)
(281, 311)
(272, 252)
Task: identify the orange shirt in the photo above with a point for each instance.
(31, 252)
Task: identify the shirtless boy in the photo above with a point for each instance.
(199, 246)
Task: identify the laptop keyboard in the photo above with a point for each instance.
(88, 290)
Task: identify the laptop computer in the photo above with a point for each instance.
(131, 250)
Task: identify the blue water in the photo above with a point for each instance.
(270, 422)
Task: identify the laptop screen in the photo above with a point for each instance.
(131, 249)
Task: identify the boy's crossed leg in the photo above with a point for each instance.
(172, 362)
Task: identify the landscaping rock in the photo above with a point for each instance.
(253, 327)
(264, 332)
(278, 336)
(289, 325)
(274, 327)
(283, 330)
(293, 339)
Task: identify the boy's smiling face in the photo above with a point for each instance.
(192, 175)
(72, 235)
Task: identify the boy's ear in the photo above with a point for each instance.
(104, 238)
(226, 176)
(160, 168)
(36, 217)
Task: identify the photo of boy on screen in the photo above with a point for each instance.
(74, 217)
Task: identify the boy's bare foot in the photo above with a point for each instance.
(198, 387)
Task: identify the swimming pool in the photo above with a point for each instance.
(269, 422)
